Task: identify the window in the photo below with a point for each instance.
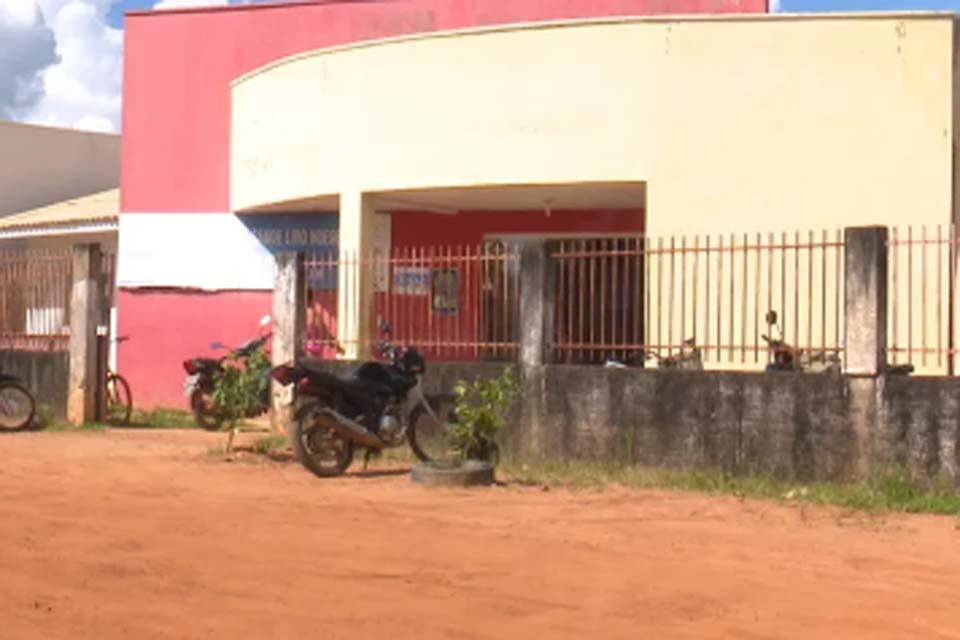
(445, 291)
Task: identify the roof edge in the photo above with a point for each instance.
(603, 20)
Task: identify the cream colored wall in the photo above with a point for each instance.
(43, 165)
(739, 125)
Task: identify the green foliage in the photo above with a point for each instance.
(268, 444)
(45, 415)
(64, 427)
(481, 409)
(163, 418)
(238, 390)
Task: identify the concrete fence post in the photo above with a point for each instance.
(865, 300)
(84, 317)
(865, 334)
(289, 320)
(537, 303)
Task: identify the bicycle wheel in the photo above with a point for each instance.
(119, 400)
(17, 407)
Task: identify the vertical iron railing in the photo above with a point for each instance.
(922, 298)
(633, 298)
(451, 302)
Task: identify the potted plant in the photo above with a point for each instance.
(481, 410)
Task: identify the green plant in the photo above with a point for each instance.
(481, 409)
(239, 389)
(45, 415)
(268, 444)
(64, 427)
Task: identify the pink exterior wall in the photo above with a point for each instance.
(166, 327)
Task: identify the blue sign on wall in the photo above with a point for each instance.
(307, 232)
(315, 234)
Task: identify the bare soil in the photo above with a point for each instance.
(144, 534)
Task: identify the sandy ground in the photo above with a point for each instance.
(146, 535)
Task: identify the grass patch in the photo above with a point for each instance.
(63, 427)
(162, 418)
(890, 491)
(269, 444)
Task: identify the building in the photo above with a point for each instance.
(41, 166)
(402, 124)
(58, 187)
(190, 270)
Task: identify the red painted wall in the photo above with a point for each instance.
(411, 229)
(178, 66)
(168, 326)
(411, 315)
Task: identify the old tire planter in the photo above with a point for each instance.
(471, 473)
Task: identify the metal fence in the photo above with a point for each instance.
(35, 290)
(922, 297)
(635, 299)
(451, 302)
(35, 301)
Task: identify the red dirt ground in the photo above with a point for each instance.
(145, 535)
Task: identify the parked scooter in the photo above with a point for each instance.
(788, 358)
(202, 372)
(379, 406)
(17, 406)
(690, 357)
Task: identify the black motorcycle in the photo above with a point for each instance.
(379, 406)
(201, 373)
(17, 406)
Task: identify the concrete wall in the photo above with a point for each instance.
(743, 123)
(792, 426)
(44, 165)
(43, 374)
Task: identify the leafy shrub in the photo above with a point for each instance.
(241, 387)
(481, 410)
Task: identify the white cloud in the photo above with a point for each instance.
(61, 62)
(28, 47)
(83, 89)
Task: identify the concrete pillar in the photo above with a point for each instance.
(865, 291)
(84, 317)
(538, 290)
(355, 275)
(289, 323)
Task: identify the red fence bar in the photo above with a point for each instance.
(922, 302)
(605, 313)
(451, 302)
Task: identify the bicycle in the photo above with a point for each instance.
(17, 406)
(119, 399)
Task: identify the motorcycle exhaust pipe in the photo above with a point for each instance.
(349, 429)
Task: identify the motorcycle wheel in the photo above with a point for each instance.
(320, 449)
(204, 414)
(17, 407)
(431, 441)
